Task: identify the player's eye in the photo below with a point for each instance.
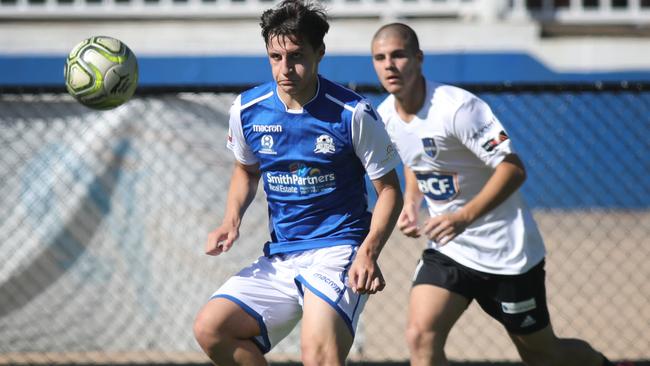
(379, 57)
(398, 54)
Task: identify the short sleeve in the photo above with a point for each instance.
(481, 131)
(236, 141)
(371, 142)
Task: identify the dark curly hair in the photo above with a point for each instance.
(298, 20)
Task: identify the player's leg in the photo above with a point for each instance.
(441, 292)
(250, 313)
(519, 303)
(225, 331)
(325, 337)
(544, 348)
(432, 313)
(330, 308)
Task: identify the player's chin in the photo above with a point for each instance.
(288, 87)
(392, 87)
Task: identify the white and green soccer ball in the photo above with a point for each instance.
(101, 72)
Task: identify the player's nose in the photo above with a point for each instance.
(286, 67)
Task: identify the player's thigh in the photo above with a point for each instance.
(221, 317)
(442, 290)
(536, 342)
(433, 308)
(518, 302)
(266, 291)
(323, 327)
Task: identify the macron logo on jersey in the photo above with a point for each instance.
(368, 109)
(438, 187)
(267, 128)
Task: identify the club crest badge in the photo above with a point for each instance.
(325, 145)
(430, 147)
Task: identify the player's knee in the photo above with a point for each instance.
(317, 355)
(540, 356)
(418, 338)
(207, 335)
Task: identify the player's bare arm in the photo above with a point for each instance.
(243, 186)
(408, 218)
(365, 275)
(508, 176)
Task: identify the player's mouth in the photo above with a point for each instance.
(393, 79)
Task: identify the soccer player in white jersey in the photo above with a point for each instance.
(312, 142)
(483, 242)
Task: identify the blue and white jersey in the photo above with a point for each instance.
(313, 163)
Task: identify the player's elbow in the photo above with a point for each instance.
(517, 165)
(516, 169)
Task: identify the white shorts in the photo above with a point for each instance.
(271, 290)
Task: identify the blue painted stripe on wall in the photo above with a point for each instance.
(244, 70)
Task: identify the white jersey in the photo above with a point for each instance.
(453, 145)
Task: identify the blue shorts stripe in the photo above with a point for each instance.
(345, 273)
(340, 311)
(266, 346)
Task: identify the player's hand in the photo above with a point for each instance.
(221, 240)
(407, 222)
(364, 276)
(444, 228)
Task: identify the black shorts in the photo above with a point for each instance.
(516, 301)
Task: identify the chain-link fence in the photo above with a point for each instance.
(103, 216)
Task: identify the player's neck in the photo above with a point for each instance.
(298, 99)
(409, 102)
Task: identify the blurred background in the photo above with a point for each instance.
(103, 215)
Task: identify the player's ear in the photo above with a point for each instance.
(419, 55)
(321, 52)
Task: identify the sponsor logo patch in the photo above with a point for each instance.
(267, 128)
(300, 179)
(481, 131)
(391, 151)
(490, 145)
(518, 307)
(438, 186)
(328, 282)
(267, 145)
(528, 321)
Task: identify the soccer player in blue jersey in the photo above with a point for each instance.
(311, 142)
(483, 242)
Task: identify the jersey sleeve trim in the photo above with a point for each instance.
(256, 100)
(371, 142)
(349, 108)
(236, 140)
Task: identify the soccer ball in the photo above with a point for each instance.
(101, 72)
